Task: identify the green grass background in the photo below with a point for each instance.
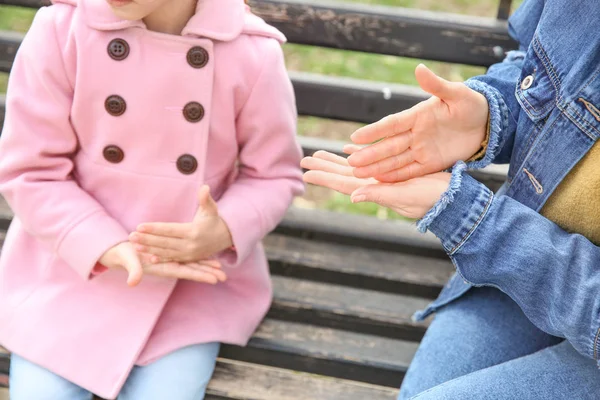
(338, 63)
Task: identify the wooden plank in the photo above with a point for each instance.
(325, 351)
(237, 380)
(355, 267)
(355, 310)
(6, 214)
(504, 9)
(351, 99)
(378, 29)
(244, 381)
(361, 231)
(388, 30)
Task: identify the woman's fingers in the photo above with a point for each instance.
(382, 167)
(409, 171)
(389, 147)
(318, 164)
(341, 183)
(389, 126)
(351, 148)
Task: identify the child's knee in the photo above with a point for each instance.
(29, 381)
(183, 374)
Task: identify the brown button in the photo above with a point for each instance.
(197, 57)
(113, 154)
(187, 164)
(115, 105)
(193, 111)
(118, 49)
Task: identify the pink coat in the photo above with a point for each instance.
(104, 134)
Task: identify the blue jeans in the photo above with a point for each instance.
(182, 375)
(482, 346)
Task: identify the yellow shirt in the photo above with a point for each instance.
(575, 204)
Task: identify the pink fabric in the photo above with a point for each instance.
(58, 308)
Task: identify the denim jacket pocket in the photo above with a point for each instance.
(537, 86)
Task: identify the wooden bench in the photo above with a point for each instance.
(345, 285)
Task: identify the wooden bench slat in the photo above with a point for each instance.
(238, 380)
(389, 30)
(361, 231)
(243, 381)
(351, 99)
(352, 309)
(326, 351)
(350, 266)
(378, 29)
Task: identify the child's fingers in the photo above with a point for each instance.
(169, 229)
(392, 146)
(318, 164)
(158, 254)
(384, 166)
(410, 171)
(219, 274)
(163, 242)
(389, 126)
(181, 271)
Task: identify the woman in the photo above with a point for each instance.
(521, 318)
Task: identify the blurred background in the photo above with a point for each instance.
(339, 63)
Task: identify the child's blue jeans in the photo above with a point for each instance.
(181, 375)
(482, 346)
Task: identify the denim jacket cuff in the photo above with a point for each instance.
(498, 121)
(459, 211)
(446, 198)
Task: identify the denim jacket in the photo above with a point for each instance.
(544, 104)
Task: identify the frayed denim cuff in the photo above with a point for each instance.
(447, 198)
(460, 210)
(498, 122)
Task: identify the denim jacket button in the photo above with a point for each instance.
(527, 82)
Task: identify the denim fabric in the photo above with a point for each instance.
(543, 131)
(483, 347)
(182, 375)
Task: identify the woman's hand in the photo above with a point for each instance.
(412, 198)
(429, 137)
(200, 239)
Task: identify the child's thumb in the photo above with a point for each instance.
(133, 266)
(206, 204)
(434, 85)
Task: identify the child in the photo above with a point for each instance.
(120, 115)
(521, 318)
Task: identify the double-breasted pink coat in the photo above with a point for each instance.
(109, 125)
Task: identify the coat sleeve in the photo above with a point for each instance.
(37, 147)
(551, 274)
(269, 158)
(499, 83)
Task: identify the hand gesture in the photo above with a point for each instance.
(429, 137)
(200, 239)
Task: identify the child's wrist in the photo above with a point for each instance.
(225, 241)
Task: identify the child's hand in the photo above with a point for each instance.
(205, 236)
(412, 198)
(205, 271)
(429, 137)
(124, 256)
